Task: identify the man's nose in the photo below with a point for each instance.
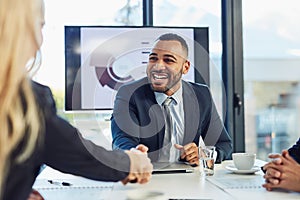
(159, 65)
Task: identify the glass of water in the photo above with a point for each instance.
(207, 162)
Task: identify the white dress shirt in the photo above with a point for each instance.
(177, 113)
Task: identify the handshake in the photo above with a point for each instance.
(140, 165)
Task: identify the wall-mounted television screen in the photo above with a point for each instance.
(99, 59)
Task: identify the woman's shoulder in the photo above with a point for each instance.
(43, 95)
(39, 88)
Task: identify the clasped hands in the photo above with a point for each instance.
(282, 172)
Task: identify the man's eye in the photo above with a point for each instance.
(152, 59)
(167, 60)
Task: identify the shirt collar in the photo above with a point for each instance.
(177, 96)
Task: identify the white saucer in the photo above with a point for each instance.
(233, 169)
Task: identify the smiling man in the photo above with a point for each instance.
(167, 62)
(171, 132)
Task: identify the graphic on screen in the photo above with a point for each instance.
(105, 58)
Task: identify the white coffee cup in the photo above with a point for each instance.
(244, 161)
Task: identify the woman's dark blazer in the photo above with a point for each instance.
(61, 147)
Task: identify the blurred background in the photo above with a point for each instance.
(271, 59)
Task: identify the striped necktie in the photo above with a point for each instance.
(165, 152)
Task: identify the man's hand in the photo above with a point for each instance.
(140, 165)
(282, 172)
(189, 152)
(141, 148)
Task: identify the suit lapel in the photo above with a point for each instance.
(191, 113)
(157, 114)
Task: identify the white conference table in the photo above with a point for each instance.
(188, 186)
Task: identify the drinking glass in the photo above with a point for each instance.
(207, 162)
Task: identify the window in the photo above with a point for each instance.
(271, 75)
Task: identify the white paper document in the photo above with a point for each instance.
(238, 182)
(80, 183)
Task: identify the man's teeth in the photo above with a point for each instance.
(160, 76)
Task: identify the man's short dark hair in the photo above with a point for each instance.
(173, 36)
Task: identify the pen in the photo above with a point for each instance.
(59, 183)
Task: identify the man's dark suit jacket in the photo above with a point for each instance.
(295, 151)
(138, 119)
(61, 147)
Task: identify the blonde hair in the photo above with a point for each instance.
(19, 117)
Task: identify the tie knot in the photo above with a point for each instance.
(168, 101)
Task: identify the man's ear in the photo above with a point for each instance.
(186, 67)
